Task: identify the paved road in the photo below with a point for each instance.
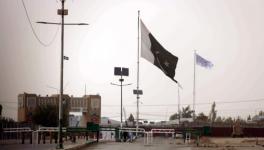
(27, 147)
(137, 146)
(133, 146)
(158, 144)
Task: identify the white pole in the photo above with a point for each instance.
(85, 90)
(138, 78)
(194, 88)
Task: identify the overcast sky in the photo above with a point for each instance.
(229, 33)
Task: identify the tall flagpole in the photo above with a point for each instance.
(194, 86)
(138, 76)
(85, 90)
(179, 108)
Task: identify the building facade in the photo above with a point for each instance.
(89, 105)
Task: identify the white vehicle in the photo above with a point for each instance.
(145, 122)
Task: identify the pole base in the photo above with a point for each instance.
(59, 146)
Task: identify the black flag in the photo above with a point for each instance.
(154, 52)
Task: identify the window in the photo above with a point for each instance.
(20, 102)
(31, 102)
(95, 103)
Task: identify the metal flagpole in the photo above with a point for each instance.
(85, 90)
(194, 86)
(138, 77)
(179, 110)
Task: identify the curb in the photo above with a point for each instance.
(76, 147)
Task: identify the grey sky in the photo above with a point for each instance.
(229, 33)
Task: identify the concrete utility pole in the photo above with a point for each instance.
(61, 12)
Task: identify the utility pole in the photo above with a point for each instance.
(60, 145)
(61, 12)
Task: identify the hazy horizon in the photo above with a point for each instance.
(228, 33)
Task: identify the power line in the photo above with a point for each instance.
(229, 102)
(34, 32)
(207, 103)
(166, 105)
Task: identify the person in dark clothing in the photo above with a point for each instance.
(125, 136)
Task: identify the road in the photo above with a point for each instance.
(158, 144)
(163, 144)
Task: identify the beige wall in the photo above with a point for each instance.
(90, 105)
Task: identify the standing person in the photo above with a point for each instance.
(130, 136)
(125, 136)
(112, 135)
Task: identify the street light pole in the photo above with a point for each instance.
(121, 83)
(121, 107)
(60, 146)
(61, 12)
(120, 71)
(121, 87)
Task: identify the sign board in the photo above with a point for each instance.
(125, 71)
(139, 92)
(64, 12)
(94, 110)
(118, 71)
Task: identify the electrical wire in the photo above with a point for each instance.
(167, 105)
(208, 103)
(34, 32)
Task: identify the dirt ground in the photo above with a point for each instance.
(171, 144)
(231, 142)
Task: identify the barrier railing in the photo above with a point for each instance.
(148, 136)
(44, 130)
(10, 135)
(128, 133)
(15, 130)
(134, 130)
